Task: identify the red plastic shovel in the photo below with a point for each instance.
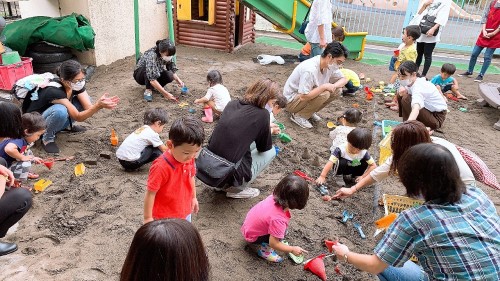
(303, 175)
(369, 93)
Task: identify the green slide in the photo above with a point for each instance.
(287, 15)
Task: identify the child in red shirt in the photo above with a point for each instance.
(171, 192)
(266, 222)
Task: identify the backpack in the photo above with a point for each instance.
(26, 89)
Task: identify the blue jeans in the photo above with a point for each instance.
(488, 54)
(303, 57)
(409, 272)
(260, 160)
(315, 50)
(57, 119)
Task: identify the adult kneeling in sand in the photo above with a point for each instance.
(14, 202)
(243, 134)
(308, 89)
(419, 99)
(454, 235)
(403, 137)
(65, 103)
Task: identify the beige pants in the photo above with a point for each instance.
(305, 109)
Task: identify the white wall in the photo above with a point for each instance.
(113, 23)
(32, 8)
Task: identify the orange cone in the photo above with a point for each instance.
(317, 267)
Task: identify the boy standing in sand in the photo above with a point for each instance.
(171, 191)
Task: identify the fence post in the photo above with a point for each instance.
(411, 10)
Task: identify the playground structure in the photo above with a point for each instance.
(227, 25)
(217, 24)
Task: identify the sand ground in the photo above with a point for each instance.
(80, 228)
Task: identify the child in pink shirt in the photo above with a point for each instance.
(266, 222)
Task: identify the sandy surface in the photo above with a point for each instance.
(81, 228)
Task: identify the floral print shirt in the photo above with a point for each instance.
(154, 64)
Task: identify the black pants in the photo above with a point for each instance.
(149, 154)
(345, 169)
(350, 87)
(425, 50)
(141, 78)
(13, 205)
(262, 239)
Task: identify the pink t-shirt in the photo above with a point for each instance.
(265, 218)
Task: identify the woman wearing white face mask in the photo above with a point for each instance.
(419, 99)
(64, 102)
(155, 69)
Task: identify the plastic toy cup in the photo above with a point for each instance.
(184, 90)
(285, 138)
(277, 149)
(281, 126)
(396, 53)
(330, 125)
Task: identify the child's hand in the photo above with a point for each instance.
(195, 207)
(321, 180)
(275, 131)
(298, 251)
(357, 179)
(37, 160)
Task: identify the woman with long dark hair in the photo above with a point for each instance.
(65, 102)
(155, 69)
(14, 201)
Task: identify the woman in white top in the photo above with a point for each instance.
(319, 29)
(427, 41)
(419, 99)
(404, 136)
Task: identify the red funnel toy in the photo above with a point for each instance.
(317, 267)
(49, 162)
(329, 245)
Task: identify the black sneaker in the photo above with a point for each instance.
(467, 74)
(346, 93)
(479, 78)
(50, 147)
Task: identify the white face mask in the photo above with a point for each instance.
(167, 58)
(269, 108)
(78, 85)
(405, 82)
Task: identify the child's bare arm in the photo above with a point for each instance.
(149, 200)
(324, 173)
(195, 207)
(201, 100)
(162, 148)
(11, 150)
(276, 244)
(455, 82)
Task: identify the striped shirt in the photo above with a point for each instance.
(458, 241)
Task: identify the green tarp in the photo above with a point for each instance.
(72, 31)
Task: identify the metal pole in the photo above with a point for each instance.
(136, 27)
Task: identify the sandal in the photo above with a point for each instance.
(268, 253)
(33, 176)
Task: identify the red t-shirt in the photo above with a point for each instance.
(170, 180)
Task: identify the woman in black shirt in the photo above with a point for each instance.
(14, 202)
(65, 101)
(243, 132)
(155, 69)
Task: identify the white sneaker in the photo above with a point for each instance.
(302, 122)
(246, 193)
(315, 117)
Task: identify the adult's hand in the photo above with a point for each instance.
(180, 83)
(343, 193)
(170, 96)
(8, 173)
(340, 250)
(330, 87)
(322, 43)
(428, 2)
(108, 102)
(402, 91)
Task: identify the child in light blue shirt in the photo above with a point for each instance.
(445, 82)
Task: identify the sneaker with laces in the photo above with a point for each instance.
(302, 122)
(479, 78)
(246, 193)
(467, 73)
(148, 96)
(315, 117)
